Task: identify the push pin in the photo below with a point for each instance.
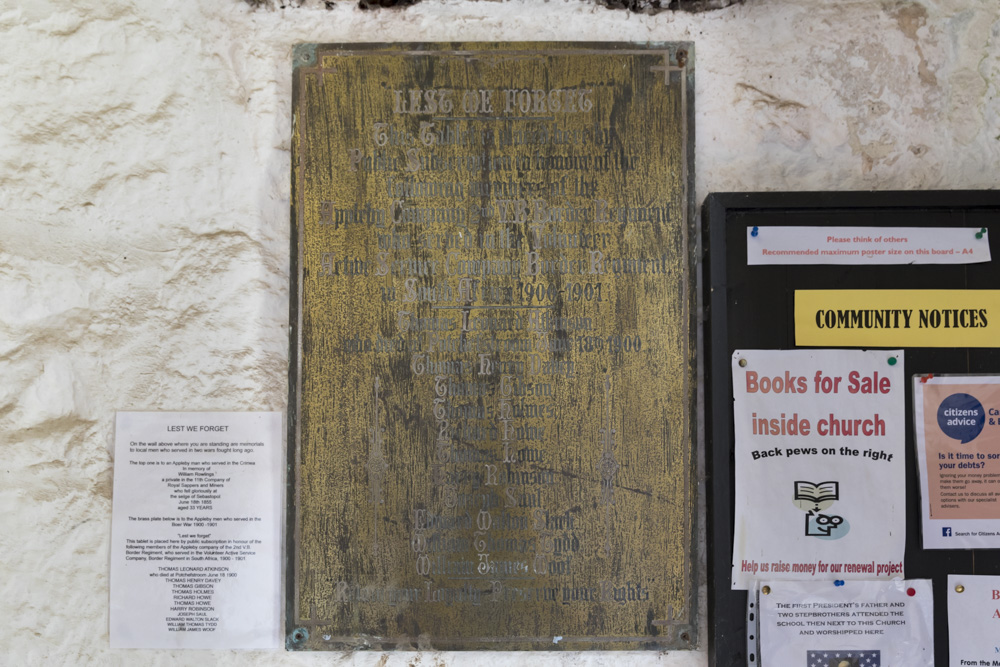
(981, 233)
(766, 590)
(911, 591)
(838, 582)
(753, 232)
(960, 588)
(743, 363)
(892, 361)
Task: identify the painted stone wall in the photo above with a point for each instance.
(144, 181)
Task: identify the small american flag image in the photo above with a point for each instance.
(844, 659)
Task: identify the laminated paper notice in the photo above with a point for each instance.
(820, 491)
(853, 624)
(973, 620)
(196, 530)
(867, 245)
(957, 421)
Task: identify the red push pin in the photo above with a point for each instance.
(927, 377)
(911, 591)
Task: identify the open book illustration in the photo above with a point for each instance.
(817, 493)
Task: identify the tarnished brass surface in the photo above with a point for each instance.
(492, 383)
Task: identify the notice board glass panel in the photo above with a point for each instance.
(493, 352)
(753, 307)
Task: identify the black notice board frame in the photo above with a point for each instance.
(751, 307)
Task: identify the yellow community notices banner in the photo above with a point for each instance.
(897, 318)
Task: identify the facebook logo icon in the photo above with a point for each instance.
(946, 532)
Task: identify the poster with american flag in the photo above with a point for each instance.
(846, 623)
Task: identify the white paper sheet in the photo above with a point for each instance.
(820, 488)
(957, 424)
(973, 620)
(196, 530)
(856, 624)
(867, 245)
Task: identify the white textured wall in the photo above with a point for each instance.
(144, 180)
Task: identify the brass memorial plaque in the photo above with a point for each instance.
(493, 360)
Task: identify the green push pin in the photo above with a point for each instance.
(980, 233)
(892, 361)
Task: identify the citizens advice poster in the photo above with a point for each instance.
(820, 490)
(958, 449)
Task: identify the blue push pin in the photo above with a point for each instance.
(838, 582)
(753, 232)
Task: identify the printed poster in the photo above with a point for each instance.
(973, 620)
(847, 624)
(820, 489)
(958, 449)
(196, 530)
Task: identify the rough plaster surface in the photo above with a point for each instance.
(144, 181)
